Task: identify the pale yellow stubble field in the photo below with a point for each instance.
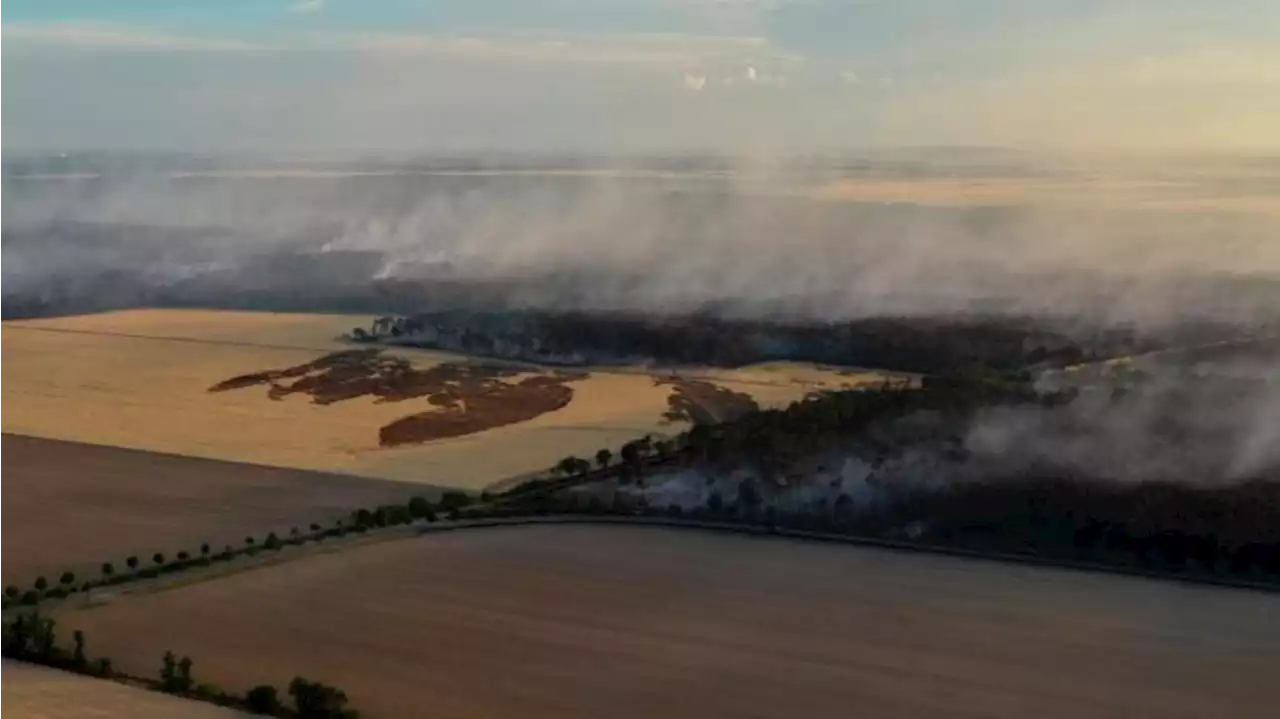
(139, 379)
(34, 692)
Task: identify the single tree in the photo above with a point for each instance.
(204, 549)
(108, 569)
(131, 562)
(314, 700)
(419, 507)
(293, 532)
(316, 527)
(183, 556)
(184, 682)
(603, 457)
(104, 667)
(249, 541)
(263, 699)
(168, 671)
(67, 578)
(12, 592)
(158, 558)
(77, 656)
(273, 542)
(41, 584)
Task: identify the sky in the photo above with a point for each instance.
(736, 76)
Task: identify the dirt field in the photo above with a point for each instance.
(73, 506)
(33, 692)
(641, 622)
(141, 379)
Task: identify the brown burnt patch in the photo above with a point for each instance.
(471, 397)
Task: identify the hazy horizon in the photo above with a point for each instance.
(741, 77)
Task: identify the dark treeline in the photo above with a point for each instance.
(1224, 531)
(31, 637)
(920, 344)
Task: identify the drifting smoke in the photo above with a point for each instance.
(898, 235)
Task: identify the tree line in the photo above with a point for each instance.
(31, 637)
(138, 567)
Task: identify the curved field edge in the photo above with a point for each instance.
(489, 604)
(46, 693)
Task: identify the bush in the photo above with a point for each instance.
(263, 699)
(419, 507)
(315, 527)
(183, 556)
(313, 700)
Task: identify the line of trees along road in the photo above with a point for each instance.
(31, 637)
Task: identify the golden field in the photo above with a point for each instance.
(34, 692)
(140, 379)
(580, 621)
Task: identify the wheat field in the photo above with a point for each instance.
(140, 379)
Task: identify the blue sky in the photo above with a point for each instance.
(736, 75)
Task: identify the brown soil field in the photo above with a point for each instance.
(33, 692)
(141, 379)
(640, 622)
(74, 506)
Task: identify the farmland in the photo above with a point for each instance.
(39, 693)
(142, 379)
(594, 621)
(70, 506)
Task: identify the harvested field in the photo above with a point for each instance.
(141, 379)
(701, 401)
(73, 506)
(33, 692)
(640, 622)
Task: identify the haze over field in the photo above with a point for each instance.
(514, 141)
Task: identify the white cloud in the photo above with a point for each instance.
(81, 36)
(751, 74)
(849, 77)
(306, 7)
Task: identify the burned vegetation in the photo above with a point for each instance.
(469, 398)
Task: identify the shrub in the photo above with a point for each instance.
(314, 700)
(263, 699)
(56, 593)
(315, 527)
(183, 556)
(419, 507)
